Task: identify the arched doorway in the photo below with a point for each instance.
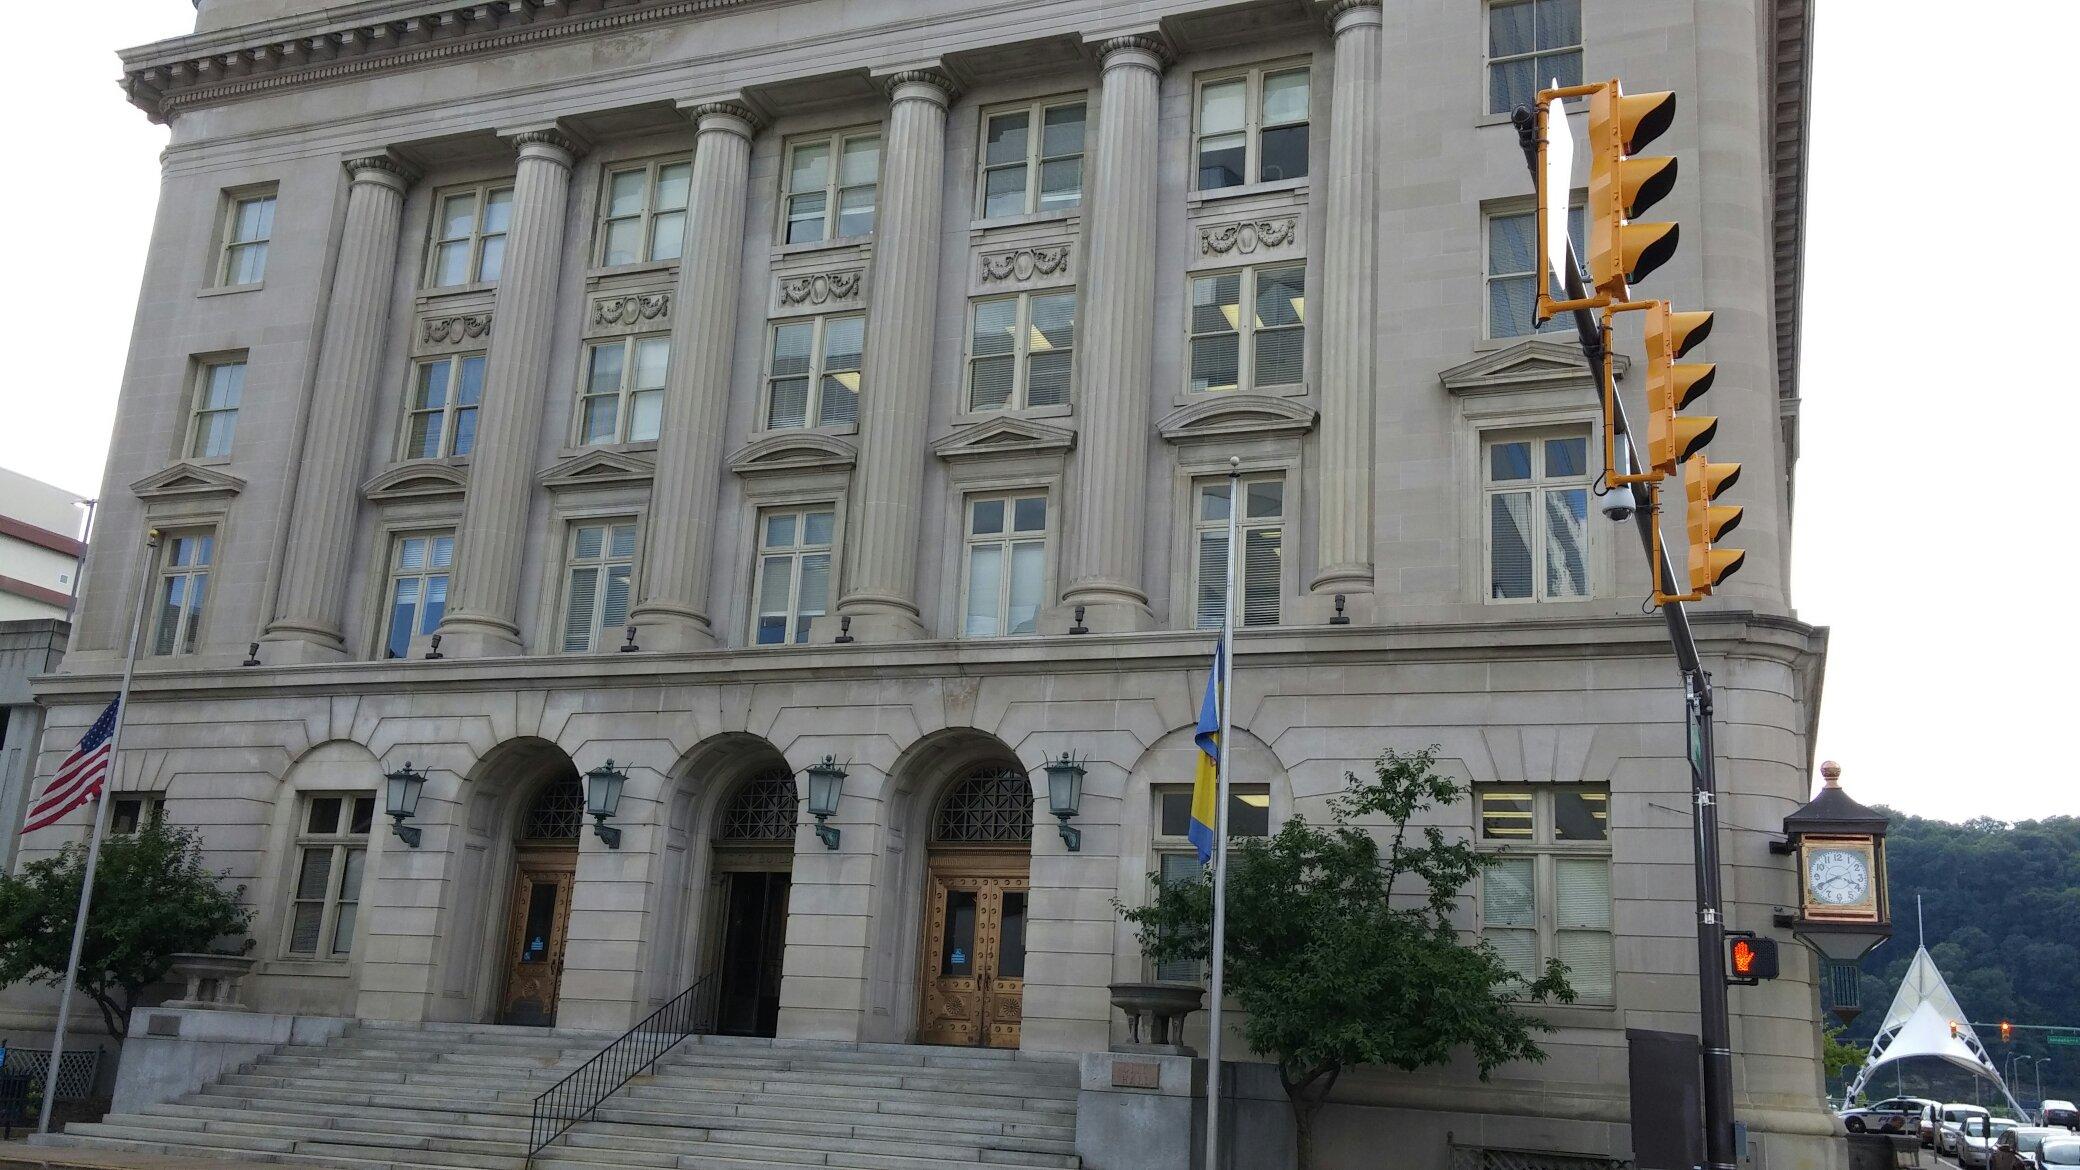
(754, 866)
(545, 867)
(976, 891)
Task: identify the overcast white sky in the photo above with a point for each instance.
(1943, 691)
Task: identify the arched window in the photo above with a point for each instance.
(989, 806)
(763, 810)
(558, 812)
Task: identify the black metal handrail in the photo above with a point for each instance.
(577, 1097)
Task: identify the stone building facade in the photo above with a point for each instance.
(731, 385)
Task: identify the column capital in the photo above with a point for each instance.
(1340, 15)
(729, 115)
(929, 82)
(553, 140)
(383, 167)
(1147, 49)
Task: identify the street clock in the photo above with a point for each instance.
(1843, 910)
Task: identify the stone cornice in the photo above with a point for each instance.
(385, 163)
(164, 78)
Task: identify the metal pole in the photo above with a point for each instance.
(1220, 826)
(1714, 1030)
(101, 803)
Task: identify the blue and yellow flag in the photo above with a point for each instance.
(1205, 787)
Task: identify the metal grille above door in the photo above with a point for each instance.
(558, 814)
(763, 810)
(990, 806)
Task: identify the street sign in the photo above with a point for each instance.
(1558, 187)
(2065, 1041)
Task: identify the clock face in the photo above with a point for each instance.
(1838, 877)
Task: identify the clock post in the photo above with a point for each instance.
(1843, 906)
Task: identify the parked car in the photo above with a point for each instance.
(2017, 1148)
(1976, 1139)
(1929, 1123)
(1950, 1125)
(1888, 1116)
(2056, 1112)
(2058, 1152)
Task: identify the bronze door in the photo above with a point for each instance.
(538, 927)
(974, 960)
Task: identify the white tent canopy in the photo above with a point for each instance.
(1925, 1020)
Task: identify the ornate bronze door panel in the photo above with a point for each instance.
(537, 927)
(973, 965)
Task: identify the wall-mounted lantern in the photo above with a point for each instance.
(603, 800)
(401, 800)
(1065, 796)
(826, 783)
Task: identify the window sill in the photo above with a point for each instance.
(208, 460)
(979, 227)
(968, 418)
(225, 290)
(782, 251)
(442, 292)
(308, 966)
(596, 275)
(1188, 396)
(838, 430)
(1297, 187)
(646, 446)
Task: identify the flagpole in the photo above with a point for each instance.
(1220, 827)
(101, 803)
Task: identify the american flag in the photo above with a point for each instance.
(79, 778)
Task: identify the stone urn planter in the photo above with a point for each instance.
(1164, 1006)
(213, 981)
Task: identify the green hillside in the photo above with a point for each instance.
(2001, 904)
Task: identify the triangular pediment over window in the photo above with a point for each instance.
(1231, 416)
(187, 481)
(1531, 364)
(779, 452)
(600, 469)
(1005, 436)
(416, 481)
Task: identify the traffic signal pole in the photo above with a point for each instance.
(1715, 1031)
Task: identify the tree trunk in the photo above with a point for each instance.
(114, 1016)
(1306, 1096)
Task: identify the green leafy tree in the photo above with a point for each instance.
(153, 899)
(1342, 951)
(1841, 1058)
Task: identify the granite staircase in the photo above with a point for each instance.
(437, 1097)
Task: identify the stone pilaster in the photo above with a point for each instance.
(1346, 300)
(895, 377)
(306, 625)
(672, 613)
(483, 604)
(1118, 312)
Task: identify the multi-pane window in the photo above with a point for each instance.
(597, 572)
(1532, 44)
(1177, 859)
(1005, 575)
(1021, 351)
(623, 396)
(1267, 347)
(794, 572)
(1513, 273)
(331, 855)
(218, 387)
(831, 185)
(129, 814)
(248, 227)
(441, 419)
(469, 236)
(814, 376)
(1262, 527)
(643, 212)
(1032, 159)
(1537, 489)
(1546, 892)
(1252, 128)
(419, 567)
(183, 586)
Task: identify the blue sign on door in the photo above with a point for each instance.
(960, 957)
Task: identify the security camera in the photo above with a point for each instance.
(1617, 503)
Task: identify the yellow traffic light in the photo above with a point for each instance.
(1708, 523)
(1622, 186)
(1673, 385)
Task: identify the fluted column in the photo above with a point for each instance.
(672, 613)
(1347, 304)
(895, 375)
(306, 625)
(1119, 289)
(484, 599)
